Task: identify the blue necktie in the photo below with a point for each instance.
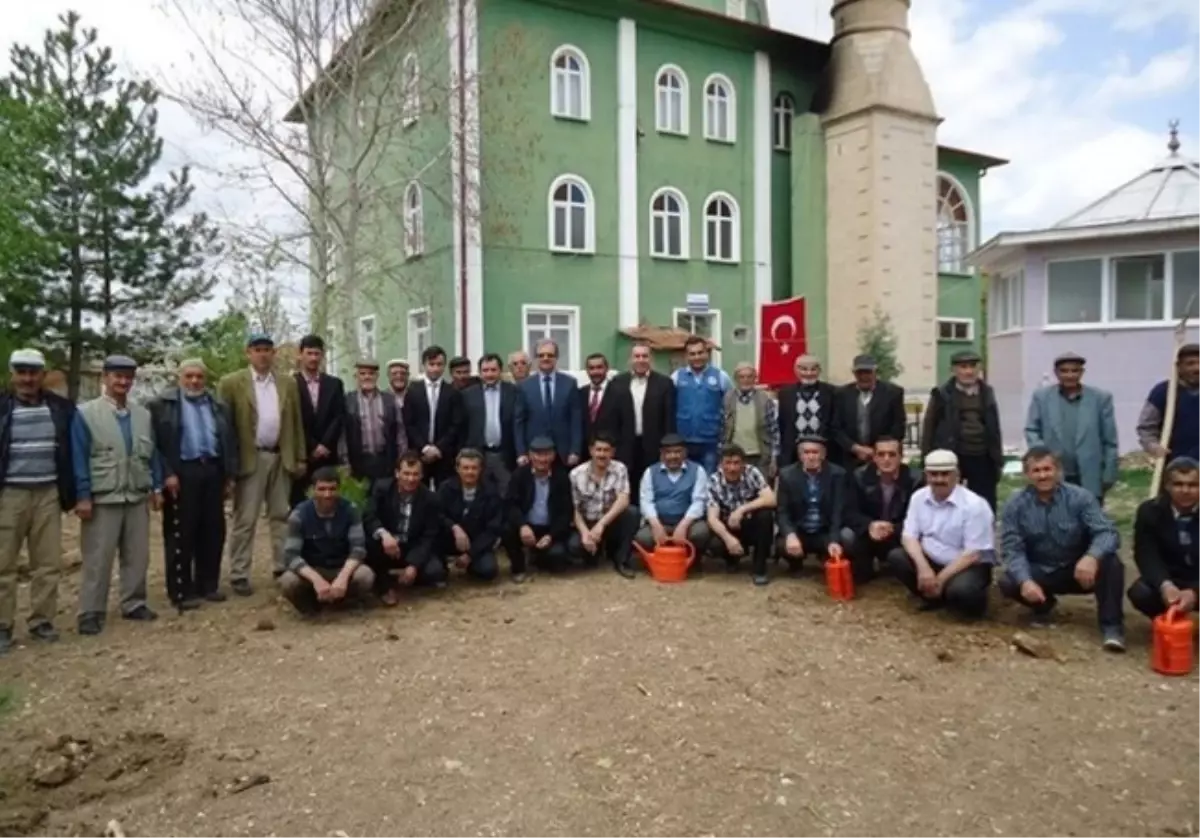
(547, 395)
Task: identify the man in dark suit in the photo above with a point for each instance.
(595, 406)
(643, 412)
(549, 407)
(867, 410)
(460, 373)
(807, 408)
(322, 412)
(375, 436)
(540, 510)
(434, 417)
(472, 517)
(490, 410)
(403, 527)
(877, 497)
(811, 506)
(1166, 543)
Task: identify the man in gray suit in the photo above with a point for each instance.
(1076, 422)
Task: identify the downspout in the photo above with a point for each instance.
(462, 174)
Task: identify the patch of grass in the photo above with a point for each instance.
(1121, 503)
(9, 699)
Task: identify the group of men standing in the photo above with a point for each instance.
(560, 473)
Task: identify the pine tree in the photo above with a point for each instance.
(128, 260)
(877, 338)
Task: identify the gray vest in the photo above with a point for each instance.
(118, 475)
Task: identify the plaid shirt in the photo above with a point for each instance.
(592, 499)
(728, 496)
(371, 421)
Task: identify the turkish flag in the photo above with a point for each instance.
(781, 340)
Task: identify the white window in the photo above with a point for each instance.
(954, 220)
(1139, 287)
(572, 216)
(1185, 284)
(671, 100)
(410, 108)
(419, 329)
(669, 224)
(720, 111)
(1006, 298)
(557, 323)
(570, 85)
(956, 329)
(706, 325)
(366, 337)
(414, 220)
(1074, 291)
(784, 111)
(722, 229)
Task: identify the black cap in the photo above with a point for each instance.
(541, 443)
(672, 441)
(810, 438)
(119, 363)
(865, 363)
(965, 356)
(1069, 358)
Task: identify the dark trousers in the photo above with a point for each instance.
(554, 558)
(980, 474)
(194, 530)
(637, 466)
(966, 593)
(863, 551)
(816, 546)
(301, 484)
(1109, 590)
(704, 453)
(755, 537)
(1149, 601)
(616, 543)
(481, 564)
(431, 567)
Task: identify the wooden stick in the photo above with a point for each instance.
(1168, 420)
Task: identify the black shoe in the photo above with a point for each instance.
(215, 596)
(761, 579)
(242, 587)
(91, 624)
(141, 614)
(5, 640)
(624, 569)
(930, 605)
(732, 566)
(189, 604)
(44, 631)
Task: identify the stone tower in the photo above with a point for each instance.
(881, 167)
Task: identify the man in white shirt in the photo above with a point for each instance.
(949, 542)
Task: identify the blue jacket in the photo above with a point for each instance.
(700, 403)
(562, 422)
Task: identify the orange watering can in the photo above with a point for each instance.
(1172, 651)
(838, 578)
(668, 562)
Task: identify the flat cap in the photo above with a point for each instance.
(366, 364)
(259, 338)
(26, 359)
(965, 356)
(941, 460)
(810, 438)
(864, 363)
(541, 443)
(397, 362)
(1070, 358)
(120, 363)
(672, 441)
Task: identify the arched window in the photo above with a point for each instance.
(671, 100)
(410, 108)
(414, 220)
(720, 111)
(572, 216)
(570, 85)
(954, 220)
(668, 224)
(722, 233)
(784, 110)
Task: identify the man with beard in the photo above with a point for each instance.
(806, 408)
(403, 524)
(194, 434)
(1166, 543)
(397, 373)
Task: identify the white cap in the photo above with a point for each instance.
(26, 358)
(397, 362)
(941, 460)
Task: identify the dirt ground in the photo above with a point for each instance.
(592, 705)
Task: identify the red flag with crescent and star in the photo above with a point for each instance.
(781, 340)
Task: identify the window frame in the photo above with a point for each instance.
(730, 108)
(660, 125)
(589, 217)
(572, 349)
(715, 314)
(1108, 279)
(735, 240)
(1006, 302)
(783, 111)
(414, 221)
(585, 86)
(410, 73)
(361, 329)
(413, 334)
(969, 322)
(961, 268)
(685, 243)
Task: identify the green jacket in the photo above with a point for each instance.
(236, 390)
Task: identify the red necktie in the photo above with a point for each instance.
(594, 404)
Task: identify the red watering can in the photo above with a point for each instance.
(1172, 650)
(838, 578)
(669, 561)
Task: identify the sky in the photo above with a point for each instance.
(1077, 94)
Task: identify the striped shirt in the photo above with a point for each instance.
(1054, 533)
(34, 444)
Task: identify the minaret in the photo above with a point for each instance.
(881, 170)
